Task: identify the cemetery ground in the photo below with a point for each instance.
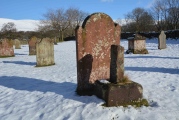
(48, 93)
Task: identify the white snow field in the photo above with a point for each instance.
(48, 93)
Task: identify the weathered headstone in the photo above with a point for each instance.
(94, 40)
(6, 48)
(45, 52)
(100, 63)
(162, 40)
(136, 45)
(32, 46)
(17, 44)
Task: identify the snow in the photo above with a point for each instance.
(48, 93)
(21, 25)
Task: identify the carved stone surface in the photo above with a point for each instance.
(45, 52)
(94, 40)
(6, 48)
(162, 40)
(117, 64)
(32, 46)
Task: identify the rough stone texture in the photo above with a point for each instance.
(6, 48)
(117, 64)
(94, 40)
(17, 44)
(162, 40)
(136, 45)
(32, 46)
(45, 52)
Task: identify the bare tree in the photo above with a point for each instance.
(8, 27)
(166, 14)
(139, 20)
(8, 30)
(64, 21)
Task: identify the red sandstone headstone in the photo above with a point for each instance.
(32, 46)
(94, 40)
(6, 48)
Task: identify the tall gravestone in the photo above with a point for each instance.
(6, 48)
(94, 39)
(45, 52)
(162, 40)
(17, 44)
(32, 46)
(100, 63)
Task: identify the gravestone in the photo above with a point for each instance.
(136, 45)
(17, 44)
(162, 40)
(6, 48)
(45, 52)
(32, 45)
(94, 39)
(100, 63)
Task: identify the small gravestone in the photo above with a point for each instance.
(94, 40)
(136, 45)
(162, 40)
(17, 44)
(6, 48)
(32, 46)
(45, 52)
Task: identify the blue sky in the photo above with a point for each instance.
(34, 9)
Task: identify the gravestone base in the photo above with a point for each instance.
(44, 65)
(120, 94)
(134, 51)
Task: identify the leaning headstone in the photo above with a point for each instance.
(94, 40)
(6, 48)
(136, 45)
(17, 44)
(32, 46)
(162, 40)
(45, 52)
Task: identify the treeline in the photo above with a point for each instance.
(170, 34)
(162, 15)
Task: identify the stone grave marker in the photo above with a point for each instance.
(94, 39)
(162, 40)
(100, 63)
(32, 45)
(6, 48)
(45, 52)
(136, 45)
(17, 44)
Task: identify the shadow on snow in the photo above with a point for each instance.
(134, 57)
(21, 63)
(153, 69)
(66, 89)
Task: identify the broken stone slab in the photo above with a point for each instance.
(120, 94)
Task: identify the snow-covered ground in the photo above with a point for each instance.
(48, 93)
